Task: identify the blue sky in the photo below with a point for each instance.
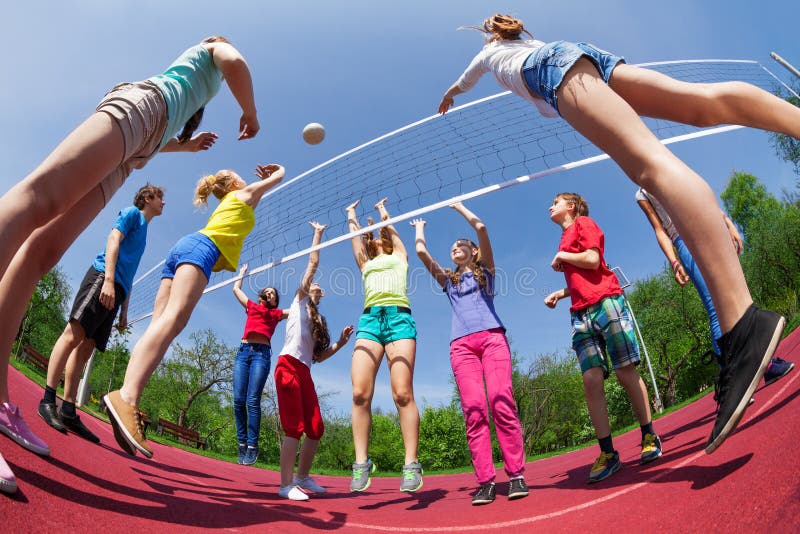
(363, 69)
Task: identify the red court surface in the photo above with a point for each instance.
(751, 484)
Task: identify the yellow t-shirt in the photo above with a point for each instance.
(227, 227)
(385, 281)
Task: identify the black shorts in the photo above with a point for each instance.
(96, 320)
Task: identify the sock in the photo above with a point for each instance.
(606, 445)
(49, 395)
(68, 408)
(647, 429)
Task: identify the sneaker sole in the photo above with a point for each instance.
(369, 481)
(24, 443)
(482, 502)
(745, 402)
(410, 490)
(62, 428)
(7, 486)
(775, 379)
(121, 431)
(644, 461)
(515, 496)
(614, 470)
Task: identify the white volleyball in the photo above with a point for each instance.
(313, 133)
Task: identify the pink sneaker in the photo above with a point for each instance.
(8, 482)
(13, 425)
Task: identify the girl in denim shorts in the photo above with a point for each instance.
(43, 214)
(480, 357)
(602, 98)
(386, 326)
(186, 272)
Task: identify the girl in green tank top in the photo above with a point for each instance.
(386, 327)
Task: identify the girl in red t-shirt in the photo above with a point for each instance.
(251, 368)
(601, 329)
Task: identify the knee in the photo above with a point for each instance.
(593, 379)
(707, 111)
(362, 398)
(403, 397)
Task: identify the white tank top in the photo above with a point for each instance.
(299, 342)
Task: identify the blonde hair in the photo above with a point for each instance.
(501, 27)
(219, 184)
(581, 206)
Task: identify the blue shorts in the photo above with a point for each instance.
(385, 324)
(197, 249)
(605, 327)
(544, 70)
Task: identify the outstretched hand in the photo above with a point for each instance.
(352, 206)
(267, 171)
(243, 269)
(458, 206)
(446, 103)
(381, 203)
(344, 337)
(317, 226)
(248, 126)
(417, 223)
(201, 141)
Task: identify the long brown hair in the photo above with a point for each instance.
(219, 184)
(501, 27)
(369, 240)
(319, 330)
(476, 265)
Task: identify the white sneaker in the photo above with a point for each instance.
(309, 484)
(293, 493)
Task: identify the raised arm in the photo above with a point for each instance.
(269, 175)
(237, 287)
(397, 243)
(422, 252)
(736, 237)
(198, 142)
(313, 261)
(465, 82)
(236, 72)
(485, 245)
(359, 250)
(664, 242)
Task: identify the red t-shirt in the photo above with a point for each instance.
(261, 320)
(587, 286)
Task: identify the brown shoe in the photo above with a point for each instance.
(127, 423)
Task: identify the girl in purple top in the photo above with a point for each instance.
(479, 353)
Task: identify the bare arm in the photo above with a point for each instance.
(588, 259)
(397, 243)
(313, 261)
(198, 142)
(108, 293)
(484, 243)
(359, 250)
(236, 72)
(270, 176)
(736, 237)
(237, 287)
(552, 299)
(422, 252)
(344, 337)
(664, 242)
(447, 100)
(122, 323)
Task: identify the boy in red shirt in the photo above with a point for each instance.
(600, 325)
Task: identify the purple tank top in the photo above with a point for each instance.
(473, 309)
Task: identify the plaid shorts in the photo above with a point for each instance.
(604, 330)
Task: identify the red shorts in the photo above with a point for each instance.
(297, 399)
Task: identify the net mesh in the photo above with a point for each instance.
(483, 143)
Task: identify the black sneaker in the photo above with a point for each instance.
(48, 412)
(517, 489)
(74, 424)
(484, 495)
(746, 351)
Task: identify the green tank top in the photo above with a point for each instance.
(187, 85)
(385, 281)
(227, 227)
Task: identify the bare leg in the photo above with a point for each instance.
(601, 115)
(596, 401)
(69, 340)
(186, 289)
(40, 253)
(75, 167)
(288, 456)
(367, 357)
(77, 361)
(400, 357)
(637, 392)
(653, 94)
(307, 452)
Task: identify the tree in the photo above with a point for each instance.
(44, 319)
(788, 148)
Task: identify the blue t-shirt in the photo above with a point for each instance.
(133, 226)
(473, 309)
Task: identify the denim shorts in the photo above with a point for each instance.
(385, 324)
(601, 328)
(141, 114)
(197, 249)
(544, 70)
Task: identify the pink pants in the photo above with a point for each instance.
(485, 356)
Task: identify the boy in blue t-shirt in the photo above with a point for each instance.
(104, 290)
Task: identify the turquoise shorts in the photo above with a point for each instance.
(384, 324)
(605, 327)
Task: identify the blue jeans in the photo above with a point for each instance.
(693, 271)
(250, 372)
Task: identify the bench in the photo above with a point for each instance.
(36, 359)
(184, 435)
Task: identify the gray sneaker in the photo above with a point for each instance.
(361, 472)
(412, 477)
